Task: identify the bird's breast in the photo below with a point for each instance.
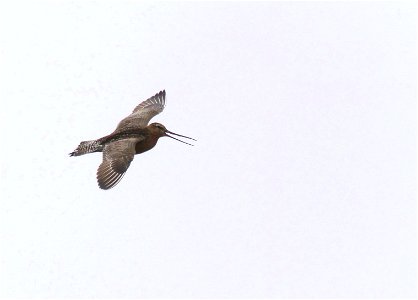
(146, 144)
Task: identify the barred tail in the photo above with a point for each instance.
(87, 147)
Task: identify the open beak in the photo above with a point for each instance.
(179, 135)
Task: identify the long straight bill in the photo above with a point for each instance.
(181, 136)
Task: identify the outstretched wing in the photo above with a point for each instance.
(144, 112)
(117, 157)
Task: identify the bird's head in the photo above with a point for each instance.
(160, 130)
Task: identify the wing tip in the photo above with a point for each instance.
(108, 184)
(161, 95)
(107, 177)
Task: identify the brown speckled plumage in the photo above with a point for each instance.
(132, 136)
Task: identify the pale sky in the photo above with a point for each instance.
(302, 182)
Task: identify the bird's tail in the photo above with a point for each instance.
(87, 147)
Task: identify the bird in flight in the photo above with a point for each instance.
(132, 136)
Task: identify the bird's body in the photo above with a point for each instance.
(131, 136)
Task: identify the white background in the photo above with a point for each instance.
(303, 179)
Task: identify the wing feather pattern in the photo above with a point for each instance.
(117, 156)
(144, 112)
